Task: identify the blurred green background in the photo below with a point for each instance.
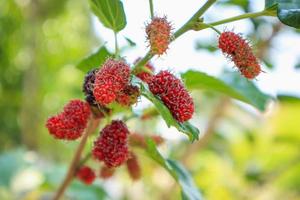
(244, 155)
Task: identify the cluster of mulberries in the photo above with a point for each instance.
(112, 78)
(111, 146)
(159, 35)
(173, 94)
(240, 52)
(86, 175)
(133, 167)
(70, 123)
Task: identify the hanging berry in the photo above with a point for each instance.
(111, 146)
(110, 79)
(133, 167)
(240, 52)
(70, 124)
(173, 94)
(159, 35)
(86, 175)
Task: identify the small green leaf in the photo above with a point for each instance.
(110, 13)
(130, 42)
(187, 128)
(288, 11)
(94, 60)
(232, 85)
(177, 171)
(270, 3)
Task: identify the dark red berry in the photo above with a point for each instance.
(111, 146)
(173, 94)
(159, 35)
(70, 124)
(133, 167)
(110, 79)
(86, 175)
(88, 87)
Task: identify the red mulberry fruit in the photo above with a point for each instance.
(98, 111)
(159, 35)
(133, 167)
(110, 79)
(240, 52)
(106, 172)
(111, 146)
(70, 124)
(174, 95)
(86, 175)
(128, 96)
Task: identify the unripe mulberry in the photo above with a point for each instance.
(173, 94)
(133, 167)
(70, 123)
(110, 79)
(86, 175)
(143, 75)
(159, 35)
(240, 52)
(106, 172)
(128, 96)
(111, 146)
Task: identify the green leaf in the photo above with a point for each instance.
(270, 3)
(110, 13)
(187, 128)
(94, 60)
(177, 171)
(130, 42)
(232, 85)
(288, 98)
(288, 11)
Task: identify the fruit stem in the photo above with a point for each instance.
(236, 18)
(116, 45)
(151, 9)
(191, 22)
(93, 124)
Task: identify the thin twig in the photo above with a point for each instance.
(93, 124)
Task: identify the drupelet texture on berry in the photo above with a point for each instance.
(70, 123)
(159, 35)
(173, 94)
(111, 146)
(86, 175)
(240, 52)
(110, 79)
